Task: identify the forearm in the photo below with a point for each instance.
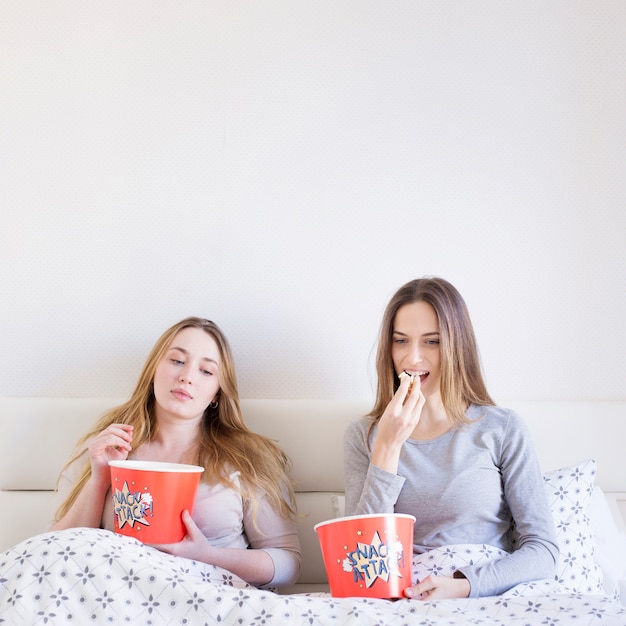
(276, 537)
(379, 493)
(534, 562)
(386, 456)
(368, 487)
(254, 566)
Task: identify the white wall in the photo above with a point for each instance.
(282, 167)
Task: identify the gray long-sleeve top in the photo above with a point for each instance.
(466, 486)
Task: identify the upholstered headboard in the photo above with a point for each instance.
(37, 436)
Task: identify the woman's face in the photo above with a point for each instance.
(415, 345)
(186, 379)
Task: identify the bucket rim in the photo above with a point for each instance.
(157, 466)
(365, 516)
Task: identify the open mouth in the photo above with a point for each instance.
(422, 374)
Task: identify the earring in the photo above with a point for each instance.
(214, 404)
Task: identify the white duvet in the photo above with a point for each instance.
(84, 576)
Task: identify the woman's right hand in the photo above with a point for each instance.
(112, 444)
(396, 424)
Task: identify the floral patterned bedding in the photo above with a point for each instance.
(84, 576)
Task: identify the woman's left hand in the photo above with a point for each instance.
(439, 588)
(193, 545)
(255, 566)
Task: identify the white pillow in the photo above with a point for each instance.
(338, 501)
(570, 490)
(610, 543)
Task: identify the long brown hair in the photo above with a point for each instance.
(226, 443)
(462, 381)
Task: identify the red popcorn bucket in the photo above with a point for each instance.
(367, 555)
(150, 497)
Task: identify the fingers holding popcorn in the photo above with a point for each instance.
(398, 422)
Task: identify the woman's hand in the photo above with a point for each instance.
(439, 588)
(192, 546)
(112, 444)
(255, 566)
(397, 423)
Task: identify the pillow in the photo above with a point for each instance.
(338, 502)
(569, 491)
(610, 543)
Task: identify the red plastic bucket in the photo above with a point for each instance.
(150, 497)
(367, 555)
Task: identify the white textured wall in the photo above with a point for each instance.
(283, 166)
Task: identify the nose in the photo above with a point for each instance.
(185, 377)
(416, 353)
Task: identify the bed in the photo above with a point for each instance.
(93, 576)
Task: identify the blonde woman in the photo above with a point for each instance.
(185, 409)
(435, 446)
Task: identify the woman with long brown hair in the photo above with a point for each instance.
(435, 446)
(185, 409)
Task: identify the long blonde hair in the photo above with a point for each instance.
(226, 443)
(462, 381)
